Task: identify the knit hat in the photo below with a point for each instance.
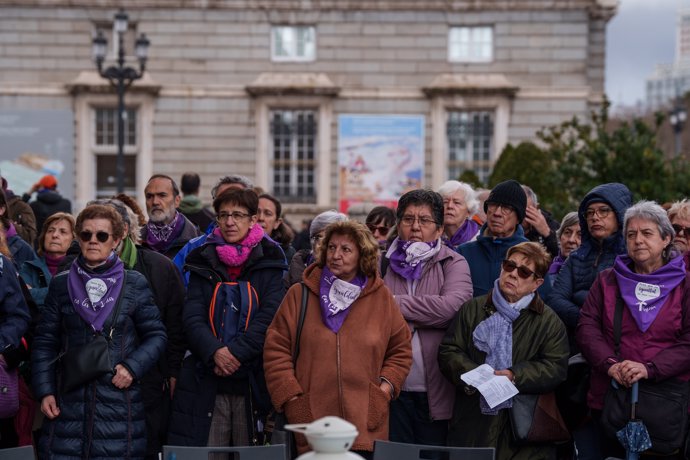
(47, 181)
(509, 193)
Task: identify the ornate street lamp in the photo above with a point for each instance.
(677, 118)
(121, 77)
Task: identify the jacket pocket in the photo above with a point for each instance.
(379, 403)
(299, 411)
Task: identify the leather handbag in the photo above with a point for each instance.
(274, 430)
(662, 406)
(83, 364)
(9, 391)
(535, 419)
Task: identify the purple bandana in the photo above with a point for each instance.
(336, 296)
(408, 257)
(557, 264)
(464, 234)
(161, 237)
(10, 232)
(645, 294)
(94, 293)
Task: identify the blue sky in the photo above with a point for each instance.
(642, 34)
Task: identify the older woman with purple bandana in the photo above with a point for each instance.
(430, 282)
(652, 282)
(103, 417)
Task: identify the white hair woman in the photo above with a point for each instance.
(459, 205)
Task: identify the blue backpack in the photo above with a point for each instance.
(232, 306)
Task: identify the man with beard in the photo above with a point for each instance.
(167, 230)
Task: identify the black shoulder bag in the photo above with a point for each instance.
(662, 406)
(88, 362)
(274, 431)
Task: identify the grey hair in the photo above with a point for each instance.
(530, 194)
(680, 209)
(232, 179)
(324, 219)
(651, 211)
(569, 220)
(450, 187)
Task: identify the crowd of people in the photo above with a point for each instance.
(127, 329)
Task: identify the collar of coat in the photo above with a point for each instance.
(536, 305)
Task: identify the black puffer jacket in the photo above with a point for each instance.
(190, 422)
(97, 420)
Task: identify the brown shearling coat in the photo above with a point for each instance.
(338, 374)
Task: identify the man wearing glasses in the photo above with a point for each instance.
(505, 210)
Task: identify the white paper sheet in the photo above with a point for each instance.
(494, 388)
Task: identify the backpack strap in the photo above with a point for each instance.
(300, 323)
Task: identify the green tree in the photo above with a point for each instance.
(470, 177)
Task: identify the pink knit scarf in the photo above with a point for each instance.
(236, 254)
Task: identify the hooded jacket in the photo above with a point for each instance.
(584, 264)
(47, 203)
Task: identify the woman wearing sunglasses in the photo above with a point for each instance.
(652, 283)
(513, 331)
(679, 215)
(102, 417)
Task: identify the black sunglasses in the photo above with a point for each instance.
(86, 236)
(382, 229)
(523, 272)
(679, 228)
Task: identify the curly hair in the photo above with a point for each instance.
(362, 237)
(48, 222)
(99, 211)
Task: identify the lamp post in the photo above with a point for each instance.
(677, 117)
(120, 77)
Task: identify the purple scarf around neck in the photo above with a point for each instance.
(236, 254)
(464, 234)
(336, 296)
(557, 264)
(161, 237)
(407, 257)
(10, 232)
(95, 292)
(645, 294)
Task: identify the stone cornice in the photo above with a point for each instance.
(475, 84)
(594, 6)
(309, 84)
(88, 81)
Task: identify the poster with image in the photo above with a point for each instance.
(380, 157)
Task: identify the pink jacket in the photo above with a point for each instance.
(444, 287)
(664, 347)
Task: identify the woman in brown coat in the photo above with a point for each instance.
(355, 348)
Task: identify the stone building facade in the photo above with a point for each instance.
(255, 87)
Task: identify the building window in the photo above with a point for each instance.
(470, 44)
(470, 143)
(293, 43)
(293, 143)
(105, 149)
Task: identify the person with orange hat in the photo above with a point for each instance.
(48, 201)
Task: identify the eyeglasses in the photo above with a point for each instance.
(601, 212)
(316, 238)
(86, 236)
(235, 216)
(680, 229)
(424, 221)
(523, 272)
(382, 229)
(505, 209)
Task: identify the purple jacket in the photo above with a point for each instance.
(664, 347)
(444, 286)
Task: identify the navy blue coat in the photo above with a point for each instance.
(584, 264)
(97, 420)
(197, 386)
(14, 313)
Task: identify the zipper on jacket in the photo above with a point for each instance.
(340, 381)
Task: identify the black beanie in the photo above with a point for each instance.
(509, 193)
